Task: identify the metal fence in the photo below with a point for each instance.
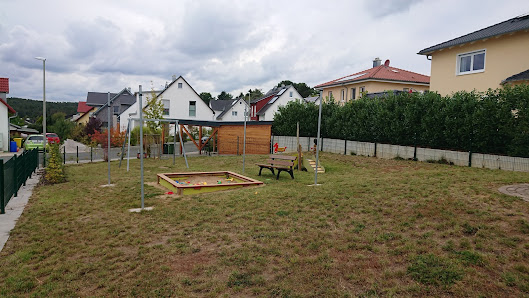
(14, 173)
(388, 151)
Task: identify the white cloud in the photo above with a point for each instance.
(221, 45)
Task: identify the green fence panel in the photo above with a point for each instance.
(14, 173)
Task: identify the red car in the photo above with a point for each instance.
(53, 138)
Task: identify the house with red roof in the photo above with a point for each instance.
(379, 78)
(5, 110)
(265, 108)
(84, 112)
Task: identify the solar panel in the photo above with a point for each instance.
(282, 91)
(273, 99)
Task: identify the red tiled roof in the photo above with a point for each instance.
(9, 108)
(82, 107)
(381, 72)
(4, 85)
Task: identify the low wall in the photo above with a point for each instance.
(388, 151)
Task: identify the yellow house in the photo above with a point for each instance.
(83, 112)
(487, 58)
(379, 78)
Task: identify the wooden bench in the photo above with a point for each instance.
(280, 163)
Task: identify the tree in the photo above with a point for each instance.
(154, 110)
(224, 96)
(206, 97)
(61, 126)
(254, 94)
(303, 89)
(92, 126)
(16, 121)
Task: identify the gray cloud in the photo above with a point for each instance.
(382, 8)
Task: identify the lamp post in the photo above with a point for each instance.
(43, 106)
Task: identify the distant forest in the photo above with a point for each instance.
(32, 109)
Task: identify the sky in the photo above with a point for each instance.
(233, 46)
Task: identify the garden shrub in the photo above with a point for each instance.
(55, 168)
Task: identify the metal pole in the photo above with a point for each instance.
(64, 155)
(141, 150)
(174, 145)
(77, 149)
(244, 140)
(318, 138)
(128, 147)
(108, 132)
(44, 109)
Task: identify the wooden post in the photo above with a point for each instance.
(298, 147)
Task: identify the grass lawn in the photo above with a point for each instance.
(374, 227)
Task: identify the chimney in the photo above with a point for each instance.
(386, 63)
(376, 62)
(174, 78)
(128, 88)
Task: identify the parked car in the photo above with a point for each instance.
(53, 138)
(34, 141)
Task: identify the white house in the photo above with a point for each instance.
(265, 108)
(5, 109)
(132, 111)
(230, 110)
(180, 101)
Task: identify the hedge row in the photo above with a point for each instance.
(494, 122)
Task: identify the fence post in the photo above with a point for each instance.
(44, 157)
(345, 147)
(24, 168)
(2, 195)
(321, 145)
(64, 155)
(415, 146)
(77, 148)
(237, 145)
(15, 174)
(470, 154)
(375, 153)
(91, 153)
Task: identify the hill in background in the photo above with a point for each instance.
(29, 108)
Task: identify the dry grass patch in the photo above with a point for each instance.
(374, 227)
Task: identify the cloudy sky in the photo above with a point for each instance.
(106, 45)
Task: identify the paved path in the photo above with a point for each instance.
(15, 207)
(518, 190)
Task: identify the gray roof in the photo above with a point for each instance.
(228, 108)
(96, 99)
(126, 98)
(509, 26)
(221, 105)
(522, 76)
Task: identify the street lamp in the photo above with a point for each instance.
(43, 105)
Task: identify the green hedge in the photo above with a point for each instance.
(496, 121)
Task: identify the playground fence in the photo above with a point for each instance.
(14, 173)
(389, 151)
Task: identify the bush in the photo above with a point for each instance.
(493, 122)
(55, 168)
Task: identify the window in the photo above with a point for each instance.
(362, 90)
(291, 93)
(353, 93)
(192, 108)
(342, 96)
(471, 62)
(234, 113)
(166, 105)
(116, 109)
(330, 95)
(179, 85)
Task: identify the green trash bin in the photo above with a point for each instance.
(168, 148)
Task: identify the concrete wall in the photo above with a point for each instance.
(505, 56)
(389, 151)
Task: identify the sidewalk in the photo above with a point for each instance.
(15, 207)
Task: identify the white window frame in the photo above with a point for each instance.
(194, 104)
(180, 85)
(471, 54)
(291, 93)
(168, 107)
(234, 113)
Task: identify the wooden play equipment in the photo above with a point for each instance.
(197, 182)
(280, 163)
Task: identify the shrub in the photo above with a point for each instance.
(55, 168)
